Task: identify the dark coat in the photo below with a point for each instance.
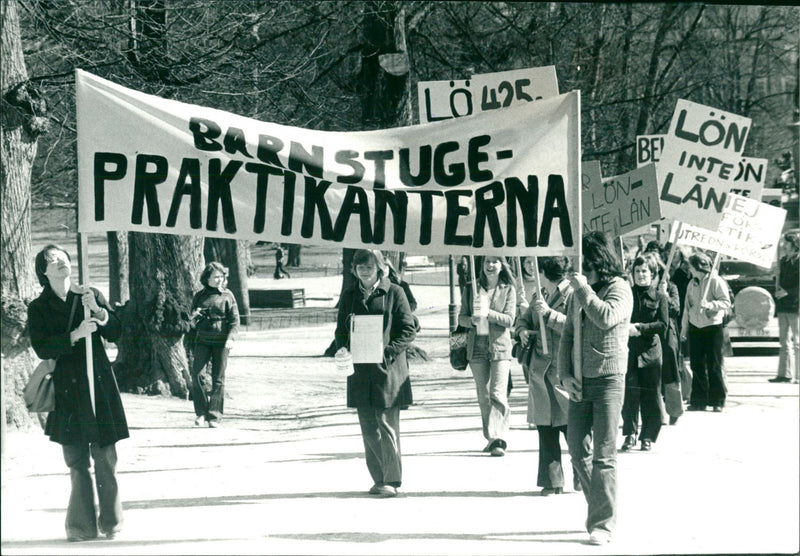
(385, 384)
(651, 317)
(671, 346)
(219, 319)
(790, 282)
(73, 421)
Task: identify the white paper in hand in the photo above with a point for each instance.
(366, 338)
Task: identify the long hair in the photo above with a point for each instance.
(40, 262)
(505, 276)
(599, 255)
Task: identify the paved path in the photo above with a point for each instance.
(286, 473)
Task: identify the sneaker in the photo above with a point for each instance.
(599, 537)
(383, 491)
(200, 421)
(214, 424)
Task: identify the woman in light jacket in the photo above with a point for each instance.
(702, 326)
(550, 401)
(379, 391)
(490, 356)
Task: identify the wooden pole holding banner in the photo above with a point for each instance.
(672, 249)
(538, 285)
(84, 276)
(707, 285)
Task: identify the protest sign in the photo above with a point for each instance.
(649, 149)
(750, 178)
(445, 100)
(623, 203)
(701, 155)
(504, 182)
(749, 231)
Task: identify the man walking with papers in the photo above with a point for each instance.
(376, 324)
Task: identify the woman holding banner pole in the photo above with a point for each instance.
(488, 311)
(787, 306)
(550, 402)
(88, 418)
(604, 301)
(707, 299)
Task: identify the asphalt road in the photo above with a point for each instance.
(286, 474)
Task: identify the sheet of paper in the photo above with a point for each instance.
(366, 338)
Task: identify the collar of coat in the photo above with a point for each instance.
(52, 299)
(383, 285)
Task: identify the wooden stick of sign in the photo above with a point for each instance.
(673, 249)
(538, 285)
(707, 285)
(481, 329)
(576, 338)
(84, 244)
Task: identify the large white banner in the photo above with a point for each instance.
(504, 182)
(623, 203)
(749, 231)
(700, 160)
(445, 100)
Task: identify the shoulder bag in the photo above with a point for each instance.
(39, 393)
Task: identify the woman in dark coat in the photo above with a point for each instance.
(649, 321)
(215, 316)
(379, 390)
(58, 331)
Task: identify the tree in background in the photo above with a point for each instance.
(21, 123)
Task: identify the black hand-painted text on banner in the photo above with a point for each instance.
(483, 184)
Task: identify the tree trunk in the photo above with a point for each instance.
(21, 122)
(163, 276)
(117, 267)
(232, 254)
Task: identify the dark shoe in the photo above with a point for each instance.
(498, 452)
(79, 537)
(695, 408)
(576, 484)
(551, 491)
(630, 442)
(673, 420)
(646, 445)
(780, 379)
(717, 409)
